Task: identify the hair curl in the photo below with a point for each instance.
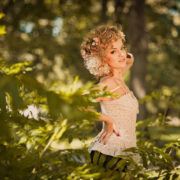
(93, 48)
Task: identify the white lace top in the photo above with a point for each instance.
(124, 112)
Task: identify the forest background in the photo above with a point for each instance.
(44, 85)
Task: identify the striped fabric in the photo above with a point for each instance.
(108, 162)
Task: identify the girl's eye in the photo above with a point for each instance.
(112, 52)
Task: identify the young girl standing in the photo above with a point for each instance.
(106, 57)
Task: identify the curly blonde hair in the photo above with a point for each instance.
(93, 48)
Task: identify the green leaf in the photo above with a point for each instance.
(2, 30)
(1, 15)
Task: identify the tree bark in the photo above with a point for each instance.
(104, 11)
(118, 8)
(137, 37)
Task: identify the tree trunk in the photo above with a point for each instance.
(104, 11)
(118, 8)
(103, 19)
(139, 47)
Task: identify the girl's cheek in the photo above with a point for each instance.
(123, 65)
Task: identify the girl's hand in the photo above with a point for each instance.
(129, 62)
(109, 129)
(99, 99)
(130, 58)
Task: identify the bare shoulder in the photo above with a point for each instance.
(104, 84)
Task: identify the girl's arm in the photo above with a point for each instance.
(105, 118)
(101, 86)
(110, 128)
(102, 117)
(100, 99)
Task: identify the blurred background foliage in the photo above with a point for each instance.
(44, 86)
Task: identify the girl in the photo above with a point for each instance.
(106, 57)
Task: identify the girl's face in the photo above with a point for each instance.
(116, 54)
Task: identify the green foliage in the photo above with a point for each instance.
(29, 145)
(45, 128)
(22, 136)
(2, 27)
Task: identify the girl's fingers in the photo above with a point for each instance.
(106, 138)
(129, 55)
(107, 133)
(103, 136)
(115, 130)
(100, 137)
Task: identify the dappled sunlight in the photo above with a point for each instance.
(75, 144)
(48, 108)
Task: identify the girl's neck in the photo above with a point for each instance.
(116, 74)
(116, 77)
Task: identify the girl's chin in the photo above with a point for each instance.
(122, 65)
(119, 67)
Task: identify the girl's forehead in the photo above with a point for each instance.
(115, 43)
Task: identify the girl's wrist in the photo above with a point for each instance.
(108, 120)
(105, 118)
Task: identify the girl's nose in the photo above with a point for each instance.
(122, 55)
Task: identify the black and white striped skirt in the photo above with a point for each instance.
(108, 162)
